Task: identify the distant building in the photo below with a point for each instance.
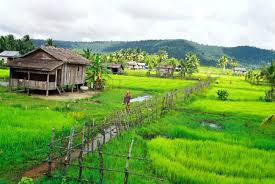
(6, 55)
(115, 68)
(47, 68)
(141, 66)
(165, 70)
(239, 70)
(132, 65)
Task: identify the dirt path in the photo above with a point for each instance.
(67, 96)
(40, 170)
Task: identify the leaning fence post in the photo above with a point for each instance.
(127, 163)
(51, 146)
(69, 150)
(101, 163)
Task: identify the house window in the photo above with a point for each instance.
(78, 68)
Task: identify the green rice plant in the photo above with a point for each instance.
(189, 161)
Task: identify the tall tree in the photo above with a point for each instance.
(163, 55)
(222, 62)
(151, 61)
(50, 42)
(234, 63)
(87, 53)
(189, 65)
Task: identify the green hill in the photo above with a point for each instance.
(246, 55)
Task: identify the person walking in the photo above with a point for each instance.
(126, 100)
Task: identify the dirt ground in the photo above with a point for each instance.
(66, 96)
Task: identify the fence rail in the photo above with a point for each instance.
(90, 137)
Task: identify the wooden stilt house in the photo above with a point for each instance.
(47, 68)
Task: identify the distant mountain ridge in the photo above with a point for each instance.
(246, 55)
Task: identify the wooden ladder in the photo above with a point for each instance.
(60, 90)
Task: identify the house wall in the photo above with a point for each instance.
(5, 59)
(73, 74)
(40, 54)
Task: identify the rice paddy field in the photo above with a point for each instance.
(4, 73)
(203, 140)
(26, 122)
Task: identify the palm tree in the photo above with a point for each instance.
(234, 63)
(87, 53)
(222, 62)
(163, 55)
(95, 73)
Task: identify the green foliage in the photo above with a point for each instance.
(234, 63)
(26, 180)
(23, 45)
(2, 63)
(95, 73)
(193, 161)
(189, 65)
(87, 53)
(222, 62)
(151, 61)
(50, 42)
(222, 94)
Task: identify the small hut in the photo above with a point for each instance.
(239, 70)
(47, 68)
(141, 66)
(115, 68)
(165, 70)
(7, 55)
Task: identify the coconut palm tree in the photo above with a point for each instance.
(222, 62)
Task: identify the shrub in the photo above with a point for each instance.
(26, 180)
(222, 94)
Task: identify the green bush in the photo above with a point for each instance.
(26, 180)
(222, 94)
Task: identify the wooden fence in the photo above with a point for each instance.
(92, 136)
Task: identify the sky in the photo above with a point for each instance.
(212, 22)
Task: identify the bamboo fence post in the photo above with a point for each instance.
(88, 135)
(69, 150)
(127, 163)
(80, 156)
(93, 134)
(101, 163)
(51, 145)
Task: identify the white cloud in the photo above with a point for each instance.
(218, 22)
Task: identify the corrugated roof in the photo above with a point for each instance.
(8, 53)
(35, 64)
(166, 66)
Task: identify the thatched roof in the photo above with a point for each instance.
(59, 57)
(166, 67)
(66, 55)
(114, 65)
(35, 64)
